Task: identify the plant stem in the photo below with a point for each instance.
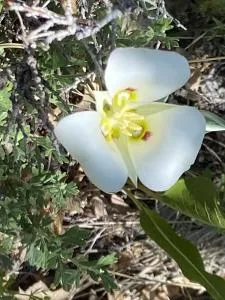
(149, 193)
(132, 197)
(11, 45)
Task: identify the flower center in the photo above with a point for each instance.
(120, 118)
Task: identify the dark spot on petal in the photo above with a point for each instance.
(146, 136)
(129, 89)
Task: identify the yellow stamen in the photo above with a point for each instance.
(120, 118)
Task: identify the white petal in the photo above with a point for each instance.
(153, 108)
(100, 98)
(176, 137)
(80, 134)
(122, 144)
(154, 73)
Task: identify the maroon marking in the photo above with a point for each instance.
(147, 136)
(129, 89)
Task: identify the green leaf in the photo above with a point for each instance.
(41, 256)
(3, 116)
(107, 260)
(5, 103)
(213, 122)
(75, 236)
(69, 277)
(6, 245)
(182, 251)
(150, 33)
(1, 5)
(37, 257)
(198, 198)
(108, 281)
(58, 275)
(5, 262)
(45, 142)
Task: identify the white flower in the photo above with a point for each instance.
(130, 135)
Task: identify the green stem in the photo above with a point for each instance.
(11, 45)
(132, 197)
(149, 193)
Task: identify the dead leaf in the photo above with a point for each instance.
(137, 250)
(52, 116)
(160, 294)
(73, 4)
(26, 175)
(73, 205)
(8, 147)
(117, 200)
(57, 224)
(40, 289)
(99, 207)
(124, 260)
(119, 295)
(174, 291)
(195, 80)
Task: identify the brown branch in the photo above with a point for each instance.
(69, 25)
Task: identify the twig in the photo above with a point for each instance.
(147, 279)
(77, 81)
(213, 153)
(88, 295)
(202, 60)
(119, 223)
(82, 287)
(70, 24)
(99, 25)
(196, 40)
(215, 141)
(98, 235)
(95, 61)
(161, 6)
(23, 28)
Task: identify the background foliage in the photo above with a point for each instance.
(42, 81)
